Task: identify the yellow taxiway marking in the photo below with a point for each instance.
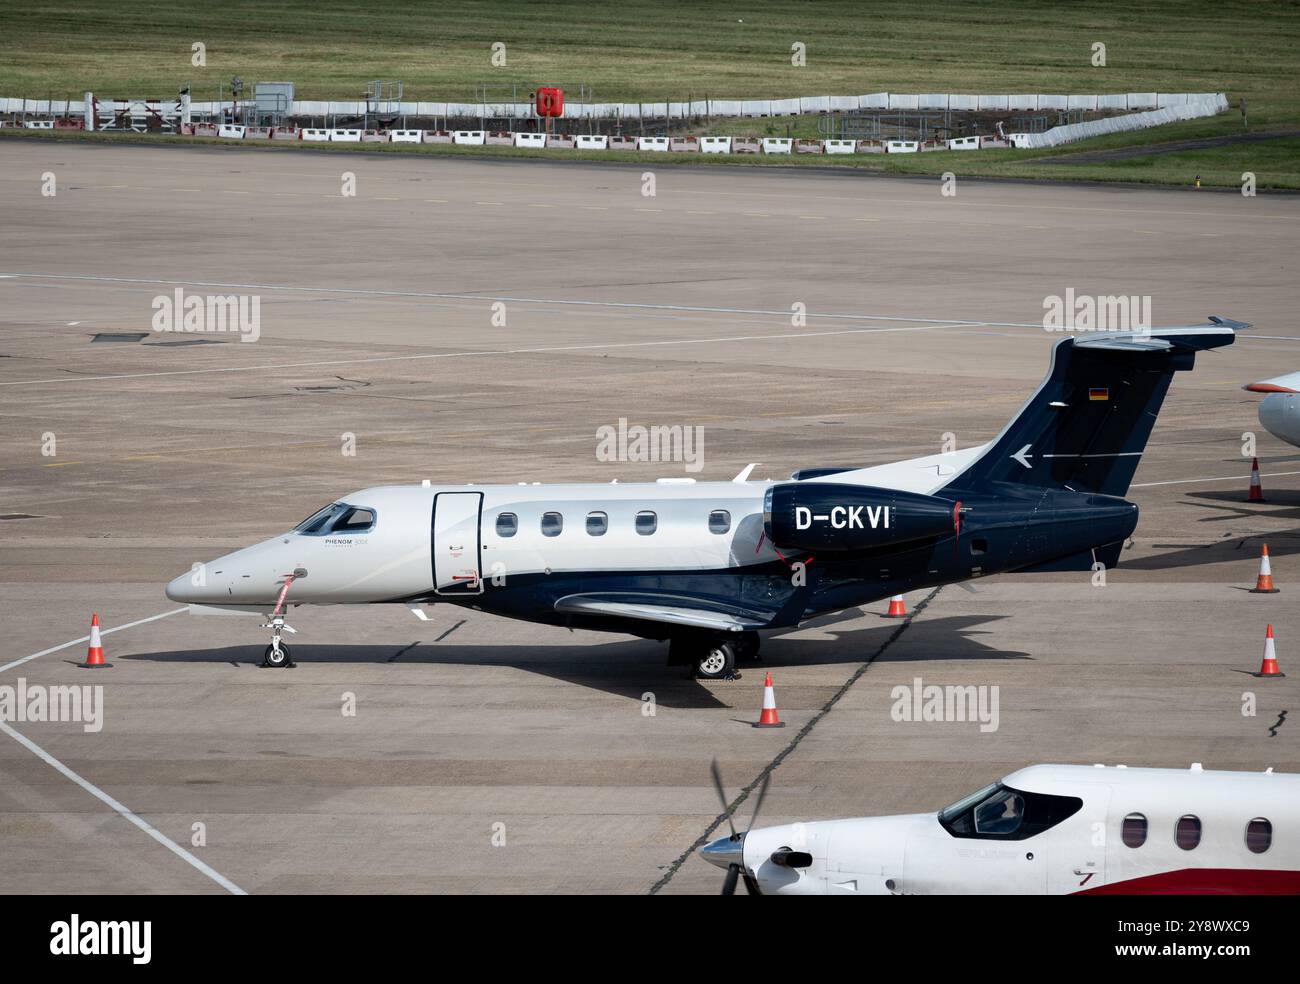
(60, 464)
(595, 208)
(489, 203)
(386, 198)
(696, 211)
(536, 205)
(436, 201)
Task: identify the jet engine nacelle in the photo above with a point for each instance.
(819, 516)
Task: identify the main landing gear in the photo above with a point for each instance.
(713, 657)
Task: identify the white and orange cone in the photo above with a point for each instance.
(1256, 493)
(768, 718)
(1264, 583)
(896, 608)
(1268, 668)
(95, 652)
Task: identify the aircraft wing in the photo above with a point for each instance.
(674, 609)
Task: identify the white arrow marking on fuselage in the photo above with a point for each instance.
(1023, 458)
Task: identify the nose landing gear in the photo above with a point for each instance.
(277, 655)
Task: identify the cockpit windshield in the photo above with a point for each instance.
(998, 812)
(337, 517)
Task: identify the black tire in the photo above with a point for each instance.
(277, 659)
(747, 647)
(717, 661)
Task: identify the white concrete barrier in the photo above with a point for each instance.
(205, 129)
(1019, 140)
(230, 131)
(964, 143)
(593, 141)
(1024, 101)
(1141, 100)
(993, 103)
(375, 136)
(684, 144)
(809, 147)
(870, 147)
(257, 133)
(314, 135)
(901, 146)
(500, 138)
(745, 145)
(777, 145)
(992, 143)
(658, 145)
(561, 141)
(405, 136)
(530, 140)
(785, 107)
(345, 136)
(469, 138)
(841, 146)
(715, 145)
(1052, 102)
(622, 143)
(437, 137)
(38, 124)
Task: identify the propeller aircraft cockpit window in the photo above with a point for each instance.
(998, 812)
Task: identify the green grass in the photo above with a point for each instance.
(643, 50)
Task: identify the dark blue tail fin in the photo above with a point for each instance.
(1086, 427)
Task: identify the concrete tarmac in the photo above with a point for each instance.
(477, 321)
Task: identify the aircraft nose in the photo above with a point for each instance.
(725, 851)
(183, 588)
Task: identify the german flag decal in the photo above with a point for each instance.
(1098, 392)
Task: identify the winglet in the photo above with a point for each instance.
(1229, 323)
(745, 472)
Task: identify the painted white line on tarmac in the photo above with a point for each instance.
(1244, 477)
(99, 794)
(86, 638)
(375, 292)
(475, 354)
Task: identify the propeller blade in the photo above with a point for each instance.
(726, 811)
(758, 804)
(751, 885)
(729, 883)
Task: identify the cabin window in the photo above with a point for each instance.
(998, 812)
(1133, 831)
(1187, 833)
(319, 520)
(597, 523)
(646, 522)
(507, 524)
(552, 524)
(1259, 835)
(719, 521)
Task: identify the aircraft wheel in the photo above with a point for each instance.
(718, 662)
(277, 658)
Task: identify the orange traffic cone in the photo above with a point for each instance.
(95, 653)
(1264, 583)
(1268, 668)
(896, 608)
(1256, 493)
(768, 718)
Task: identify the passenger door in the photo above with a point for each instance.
(455, 543)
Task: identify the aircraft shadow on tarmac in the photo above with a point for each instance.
(1228, 507)
(629, 668)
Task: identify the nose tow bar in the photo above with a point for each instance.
(277, 655)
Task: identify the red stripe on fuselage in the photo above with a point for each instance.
(1205, 881)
